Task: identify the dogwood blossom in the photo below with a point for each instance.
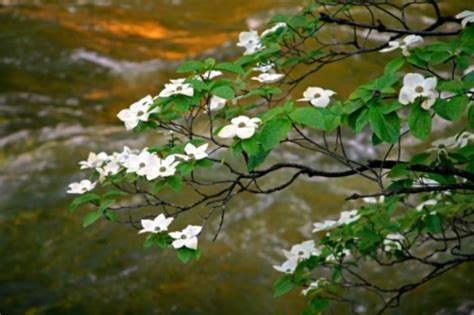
(187, 237)
(268, 67)
(302, 251)
(208, 75)
(332, 257)
(250, 41)
(414, 86)
(372, 200)
(273, 29)
(267, 78)
(197, 153)
(94, 160)
(326, 225)
(242, 127)
(313, 285)
(466, 16)
(464, 138)
(81, 187)
(137, 112)
(110, 169)
(393, 241)
(217, 103)
(138, 163)
(157, 167)
(348, 217)
(443, 145)
(158, 224)
(423, 182)
(429, 202)
(287, 267)
(177, 87)
(317, 96)
(406, 43)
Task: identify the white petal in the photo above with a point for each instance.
(406, 95)
(178, 243)
(240, 119)
(413, 79)
(322, 101)
(228, 131)
(245, 132)
(191, 243)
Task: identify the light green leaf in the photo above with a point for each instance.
(308, 116)
(191, 66)
(224, 91)
(83, 199)
(230, 67)
(90, 218)
(282, 286)
(273, 132)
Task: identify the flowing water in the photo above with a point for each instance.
(66, 69)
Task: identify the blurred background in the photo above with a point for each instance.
(66, 69)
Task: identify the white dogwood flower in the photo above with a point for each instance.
(317, 96)
(268, 67)
(326, 225)
(406, 43)
(217, 103)
(250, 41)
(158, 224)
(273, 29)
(429, 202)
(197, 153)
(348, 217)
(177, 87)
(268, 78)
(372, 200)
(94, 160)
(187, 237)
(466, 16)
(414, 86)
(137, 163)
(393, 241)
(156, 167)
(208, 75)
(464, 138)
(287, 267)
(110, 169)
(137, 112)
(241, 126)
(313, 285)
(424, 182)
(302, 251)
(81, 187)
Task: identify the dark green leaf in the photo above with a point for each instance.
(224, 91)
(451, 109)
(190, 66)
(419, 122)
(230, 67)
(83, 199)
(175, 183)
(273, 132)
(395, 65)
(308, 116)
(282, 286)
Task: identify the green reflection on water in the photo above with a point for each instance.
(66, 68)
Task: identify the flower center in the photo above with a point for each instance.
(317, 95)
(83, 188)
(241, 125)
(141, 165)
(288, 270)
(300, 253)
(162, 169)
(419, 89)
(179, 88)
(183, 237)
(441, 146)
(140, 112)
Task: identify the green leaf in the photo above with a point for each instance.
(282, 286)
(190, 66)
(250, 145)
(230, 67)
(175, 183)
(112, 216)
(318, 304)
(470, 116)
(419, 122)
(257, 159)
(224, 91)
(273, 132)
(204, 163)
(308, 116)
(90, 218)
(83, 199)
(386, 127)
(451, 109)
(184, 254)
(434, 223)
(394, 65)
(185, 168)
(115, 193)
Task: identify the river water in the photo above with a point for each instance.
(66, 69)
